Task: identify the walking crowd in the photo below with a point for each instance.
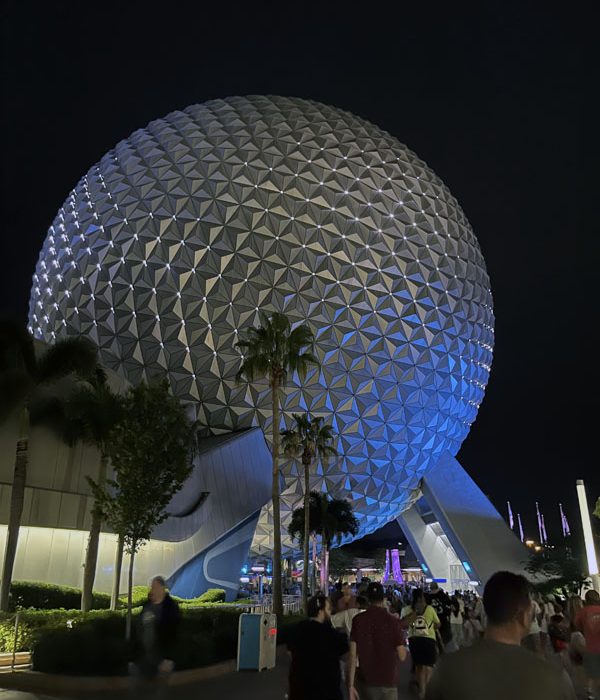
(509, 645)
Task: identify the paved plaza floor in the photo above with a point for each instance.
(247, 685)
(267, 685)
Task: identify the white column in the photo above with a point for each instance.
(587, 535)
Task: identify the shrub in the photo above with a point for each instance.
(95, 643)
(49, 596)
(82, 651)
(139, 595)
(212, 595)
(32, 623)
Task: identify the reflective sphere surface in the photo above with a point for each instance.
(167, 249)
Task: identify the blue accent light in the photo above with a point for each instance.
(467, 567)
(425, 569)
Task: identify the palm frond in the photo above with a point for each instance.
(16, 348)
(15, 386)
(69, 356)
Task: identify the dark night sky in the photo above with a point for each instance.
(488, 98)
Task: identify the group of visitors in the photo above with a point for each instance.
(507, 645)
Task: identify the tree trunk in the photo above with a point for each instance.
(277, 593)
(117, 577)
(91, 555)
(313, 577)
(17, 499)
(130, 593)
(306, 540)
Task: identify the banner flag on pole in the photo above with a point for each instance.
(511, 520)
(564, 522)
(539, 521)
(544, 530)
(520, 526)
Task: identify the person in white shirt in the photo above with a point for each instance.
(343, 620)
(456, 625)
(533, 640)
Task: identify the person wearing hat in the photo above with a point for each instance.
(378, 642)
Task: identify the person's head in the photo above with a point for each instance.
(418, 600)
(158, 589)
(362, 602)
(319, 607)
(434, 587)
(347, 590)
(507, 603)
(592, 598)
(375, 593)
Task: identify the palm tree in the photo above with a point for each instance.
(273, 351)
(311, 440)
(26, 383)
(331, 518)
(91, 413)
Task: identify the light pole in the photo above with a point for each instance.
(588, 536)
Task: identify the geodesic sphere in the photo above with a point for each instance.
(168, 248)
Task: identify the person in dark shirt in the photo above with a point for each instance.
(378, 644)
(497, 667)
(441, 603)
(155, 638)
(316, 649)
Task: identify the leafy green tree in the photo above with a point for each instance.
(597, 509)
(557, 569)
(150, 450)
(273, 352)
(28, 384)
(331, 518)
(341, 561)
(91, 414)
(311, 440)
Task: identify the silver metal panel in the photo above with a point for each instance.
(167, 249)
(52, 540)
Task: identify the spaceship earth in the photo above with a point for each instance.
(170, 247)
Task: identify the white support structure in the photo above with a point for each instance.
(588, 537)
(456, 532)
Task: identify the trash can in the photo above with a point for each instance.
(257, 641)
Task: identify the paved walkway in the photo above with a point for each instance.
(267, 685)
(247, 685)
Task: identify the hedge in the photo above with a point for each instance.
(49, 596)
(74, 643)
(32, 623)
(95, 644)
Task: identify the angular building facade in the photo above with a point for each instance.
(203, 543)
(170, 247)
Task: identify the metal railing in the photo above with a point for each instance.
(292, 605)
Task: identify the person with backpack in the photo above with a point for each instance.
(497, 667)
(423, 623)
(440, 602)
